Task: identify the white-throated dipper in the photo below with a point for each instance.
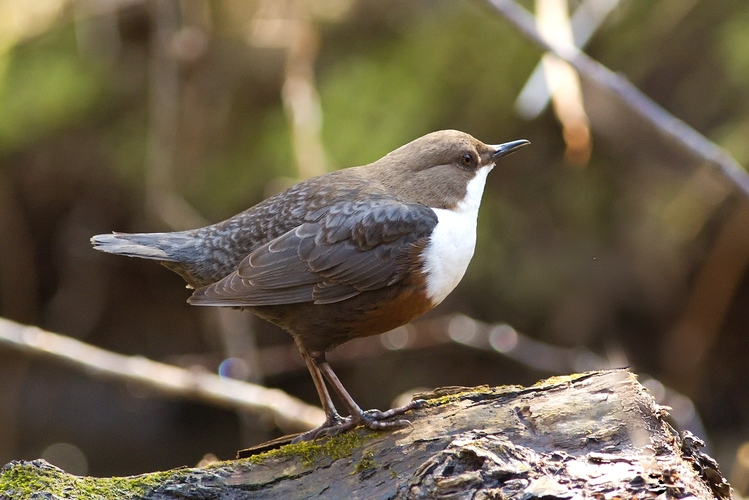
(349, 254)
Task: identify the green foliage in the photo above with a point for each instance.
(236, 178)
(450, 70)
(45, 86)
(734, 47)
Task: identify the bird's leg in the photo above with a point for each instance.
(334, 424)
(332, 419)
(331, 414)
(373, 419)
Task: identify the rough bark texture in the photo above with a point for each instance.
(596, 435)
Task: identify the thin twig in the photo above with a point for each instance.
(670, 126)
(289, 413)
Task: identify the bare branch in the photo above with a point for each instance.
(289, 413)
(670, 126)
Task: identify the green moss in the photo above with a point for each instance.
(393, 474)
(19, 480)
(438, 399)
(468, 393)
(566, 379)
(337, 447)
(367, 462)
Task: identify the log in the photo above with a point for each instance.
(594, 435)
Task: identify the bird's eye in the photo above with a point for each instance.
(466, 159)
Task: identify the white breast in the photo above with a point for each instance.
(453, 240)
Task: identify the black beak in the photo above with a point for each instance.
(507, 148)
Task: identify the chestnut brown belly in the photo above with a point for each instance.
(321, 327)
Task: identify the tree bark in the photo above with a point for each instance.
(594, 435)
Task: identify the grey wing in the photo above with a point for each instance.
(352, 248)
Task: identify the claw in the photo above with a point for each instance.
(333, 425)
(417, 404)
(400, 410)
(375, 420)
(378, 425)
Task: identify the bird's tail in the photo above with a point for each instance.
(155, 246)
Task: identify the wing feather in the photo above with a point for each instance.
(351, 248)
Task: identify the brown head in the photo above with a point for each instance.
(435, 169)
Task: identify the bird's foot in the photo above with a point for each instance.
(371, 419)
(332, 426)
(399, 410)
(378, 420)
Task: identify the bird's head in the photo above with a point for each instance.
(442, 169)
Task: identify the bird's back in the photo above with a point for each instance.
(205, 255)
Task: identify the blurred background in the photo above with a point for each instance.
(601, 245)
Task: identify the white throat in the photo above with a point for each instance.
(453, 240)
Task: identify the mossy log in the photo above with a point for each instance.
(595, 435)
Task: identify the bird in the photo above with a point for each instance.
(351, 253)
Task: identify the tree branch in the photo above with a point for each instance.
(671, 127)
(289, 413)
